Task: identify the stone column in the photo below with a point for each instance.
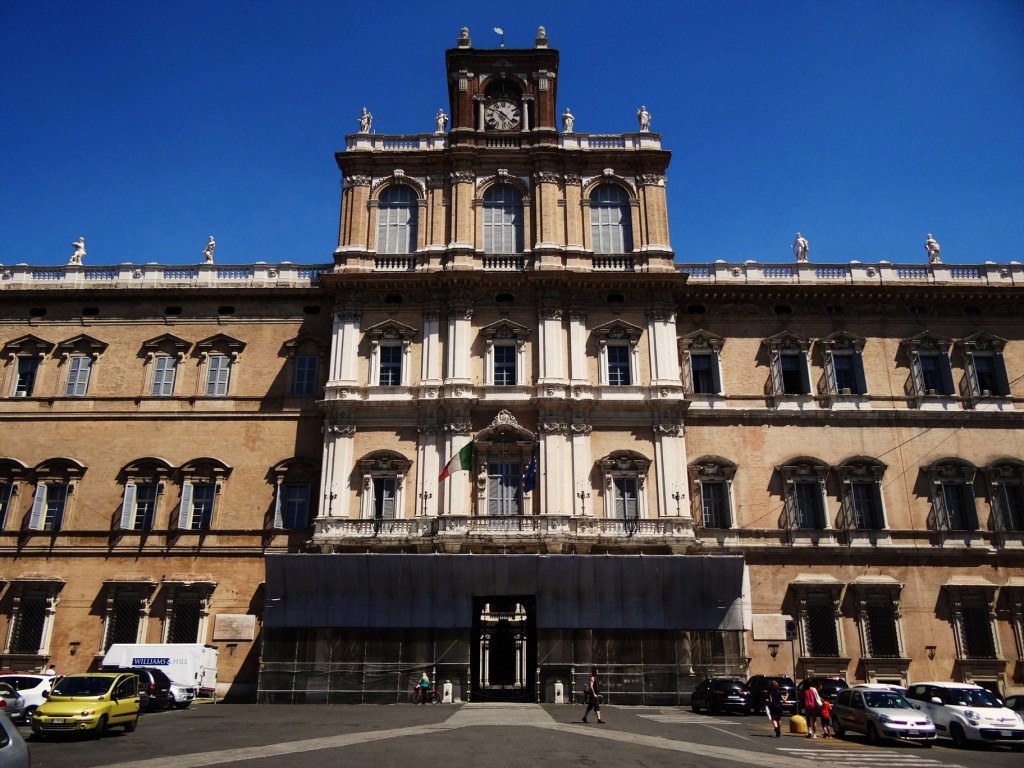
(459, 488)
(554, 464)
(345, 349)
(352, 223)
(460, 330)
(428, 467)
(578, 348)
(462, 215)
(430, 351)
(670, 466)
(337, 465)
(551, 344)
(582, 464)
(662, 347)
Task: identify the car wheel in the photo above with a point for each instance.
(131, 725)
(872, 734)
(956, 733)
(27, 715)
(694, 707)
(101, 726)
(839, 729)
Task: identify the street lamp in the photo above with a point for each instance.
(931, 651)
(773, 649)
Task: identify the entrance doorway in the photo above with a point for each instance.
(504, 649)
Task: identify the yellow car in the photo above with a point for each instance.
(90, 702)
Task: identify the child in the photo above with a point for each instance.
(826, 719)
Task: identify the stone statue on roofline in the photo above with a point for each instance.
(644, 118)
(79, 253)
(440, 121)
(365, 121)
(208, 251)
(800, 247)
(933, 249)
(567, 121)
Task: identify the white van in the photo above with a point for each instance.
(190, 664)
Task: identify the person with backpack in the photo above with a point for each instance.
(812, 708)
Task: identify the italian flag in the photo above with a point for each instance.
(461, 460)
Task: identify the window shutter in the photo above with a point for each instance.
(128, 507)
(777, 386)
(858, 372)
(278, 505)
(876, 495)
(805, 375)
(970, 507)
(971, 369)
(1002, 381)
(716, 374)
(388, 506)
(830, 372)
(185, 509)
(946, 373)
(792, 509)
(38, 508)
(939, 506)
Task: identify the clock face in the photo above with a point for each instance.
(502, 114)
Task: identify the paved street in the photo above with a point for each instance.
(477, 734)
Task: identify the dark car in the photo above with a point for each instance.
(1015, 702)
(721, 694)
(829, 688)
(154, 687)
(759, 685)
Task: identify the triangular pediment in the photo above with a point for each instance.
(82, 343)
(619, 330)
(29, 345)
(391, 330)
(220, 343)
(505, 330)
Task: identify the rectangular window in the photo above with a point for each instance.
(390, 366)
(6, 492)
(882, 636)
(503, 491)
(820, 626)
(810, 512)
(935, 377)
(384, 492)
(164, 369)
(504, 365)
(976, 628)
(793, 369)
(56, 500)
(865, 497)
(986, 373)
(27, 625)
(183, 623)
(218, 375)
(122, 621)
(145, 506)
(28, 367)
(296, 505)
(714, 499)
(704, 373)
(956, 501)
(304, 382)
(201, 515)
(1008, 501)
(625, 498)
(618, 365)
(79, 367)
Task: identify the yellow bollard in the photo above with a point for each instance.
(797, 724)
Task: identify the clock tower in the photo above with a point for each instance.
(502, 97)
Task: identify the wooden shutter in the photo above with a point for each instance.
(278, 505)
(858, 372)
(128, 507)
(185, 509)
(38, 508)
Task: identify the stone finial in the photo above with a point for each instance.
(79, 252)
(463, 41)
(541, 41)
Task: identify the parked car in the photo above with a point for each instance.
(32, 687)
(721, 694)
(13, 750)
(90, 702)
(967, 713)
(12, 703)
(880, 714)
(829, 688)
(154, 687)
(1015, 702)
(182, 696)
(759, 685)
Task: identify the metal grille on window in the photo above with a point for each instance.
(820, 627)
(122, 622)
(809, 512)
(976, 628)
(185, 617)
(27, 632)
(883, 640)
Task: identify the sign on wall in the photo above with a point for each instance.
(234, 627)
(773, 626)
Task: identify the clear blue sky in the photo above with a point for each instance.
(866, 124)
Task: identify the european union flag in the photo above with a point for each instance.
(530, 477)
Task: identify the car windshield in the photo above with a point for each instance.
(886, 700)
(83, 686)
(969, 697)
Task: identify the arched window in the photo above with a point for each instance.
(611, 230)
(397, 217)
(503, 220)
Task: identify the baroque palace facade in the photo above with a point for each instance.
(667, 470)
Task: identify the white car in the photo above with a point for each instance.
(32, 688)
(182, 695)
(967, 713)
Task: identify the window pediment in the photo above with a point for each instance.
(60, 468)
(385, 463)
(391, 331)
(713, 467)
(505, 330)
(626, 462)
(82, 344)
(982, 342)
(843, 340)
(926, 341)
(861, 468)
(1005, 470)
(167, 344)
(787, 340)
(618, 330)
(304, 343)
(205, 468)
(221, 344)
(951, 470)
(701, 340)
(27, 346)
(803, 468)
(505, 429)
(148, 469)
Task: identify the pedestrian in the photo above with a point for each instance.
(774, 704)
(424, 687)
(826, 719)
(593, 696)
(51, 671)
(812, 703)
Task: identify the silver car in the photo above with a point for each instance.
(880, 714)
(12, 703)
(13, 750)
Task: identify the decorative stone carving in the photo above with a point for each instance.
(546, 177)
(660, 315)
(504, 417)
(581, 429)
(440, 121)
(341, 430)
(356, 181)
(651, 180)
(554, 428)
(435, 181)
(551, 314)
(572, 178)
(463, 177)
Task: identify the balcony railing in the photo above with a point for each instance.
(258, 275)
(881, 273)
